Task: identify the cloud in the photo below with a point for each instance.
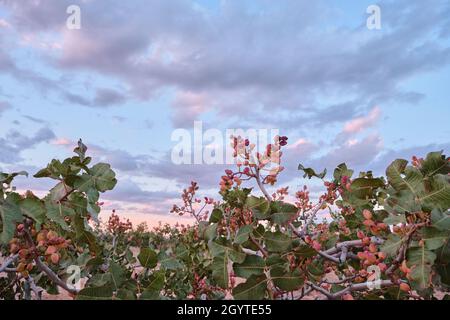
(355, 153)
(4, 24)
(62, 142)
(285, 59)
(4, 106)
(188, 106)
(293, 65)
(15, 143)
(107, 97)
(361, 123)
(35, 120)
(128, 191)
(103, 98)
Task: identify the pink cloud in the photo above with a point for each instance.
(188, 106)
(4, 24)
(298, 144)
(62, 142)
(359, 124)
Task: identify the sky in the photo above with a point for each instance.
(136, 71)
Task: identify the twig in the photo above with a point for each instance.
(402, 250)
(53, 276)
(260, 247)
(339, 281)
(351, 288)
(8, 261)
(261, 186)
(321, 253)
(310, 219)
(343, 256)
(37, 290)
(352, 243)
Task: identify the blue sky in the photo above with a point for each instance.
(137, 70)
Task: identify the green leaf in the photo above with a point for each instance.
(95, 293)
(100, 280)
(391, 245)
(286, 280)
(216, 216)
(220, 270)
(157, 280)
(100, 177)
(253, 289)
(84, 235)
(439, 194)
(59, 191)
(125, 294)
(309, 172)
(11, 215)
(363, 188)
(413, 180)
(420, 261)
(440, 220)
(342, 171)
(277, 241)
(7, 178)
(150, 295)
(434, 238)
(80, 150)
(305, 251)
(210, 232)
(147, 257)
(259, 207)
(169, 262)
(252, 265)
(274, 260)
(33, 208)
(282, 212)
(117, 274)
(243, 234)
(435, 163)
(395, 219)
(58, 212)
(221, 247)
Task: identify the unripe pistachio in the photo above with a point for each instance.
(382, 266)
(41, 237)
(381, 255)
(347, 296)
(368, 223)
(51, 250)
(54, 258)
(51, 235)
(362, 255)
(367, 214)
(21, 267)
(405, 287)
(23, 253)
(14, 248)
(382, 226)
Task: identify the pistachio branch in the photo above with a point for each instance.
(352, 287)
(260, 247)
(7, 262)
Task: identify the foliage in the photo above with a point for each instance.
(383, 237)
